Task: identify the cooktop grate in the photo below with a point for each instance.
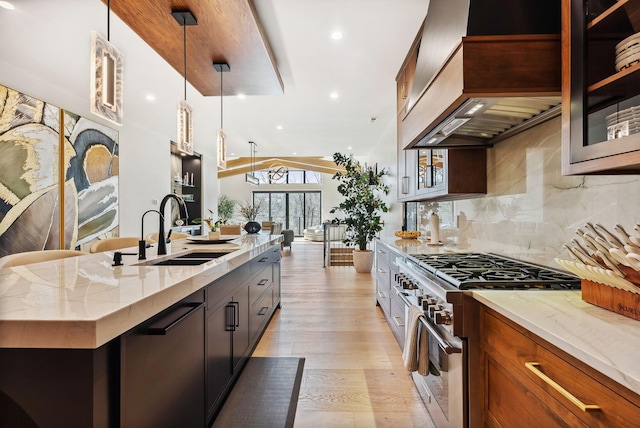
(490, 271)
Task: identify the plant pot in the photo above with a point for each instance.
(252, 227)
(214, 235)
(363, 260)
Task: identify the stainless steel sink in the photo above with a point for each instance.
(191, 259)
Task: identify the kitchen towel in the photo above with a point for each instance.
(416, 343)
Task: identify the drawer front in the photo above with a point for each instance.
(260, 283)
(397, 318)
(382, 273)
(264, 260)
(554, 380)
(382, 252)
(221, 288)
(261, 312)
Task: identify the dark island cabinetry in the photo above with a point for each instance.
(172, 370)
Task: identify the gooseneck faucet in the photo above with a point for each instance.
(162, 243)
(142, 244)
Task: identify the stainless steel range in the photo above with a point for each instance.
(425, 280)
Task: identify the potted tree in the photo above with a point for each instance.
(362, 206)
(226, 207)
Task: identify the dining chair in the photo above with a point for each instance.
(230, 229)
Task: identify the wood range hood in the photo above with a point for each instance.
(484, 71)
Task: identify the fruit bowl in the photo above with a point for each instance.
(409, 234)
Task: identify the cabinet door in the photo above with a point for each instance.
(219, 357)
(601, 91)
(431, 170)
(240, 321)
(163, 370)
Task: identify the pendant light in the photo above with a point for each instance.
(184, 17)
(221, 67)
(107, 65)
(251, 177)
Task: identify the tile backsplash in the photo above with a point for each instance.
(530, 209)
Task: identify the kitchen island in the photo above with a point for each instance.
(85, 343)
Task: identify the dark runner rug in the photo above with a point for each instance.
(265, 395)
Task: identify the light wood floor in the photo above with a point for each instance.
(353, 374)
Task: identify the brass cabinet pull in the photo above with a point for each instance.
(533, 366)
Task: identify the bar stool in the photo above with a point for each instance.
(114, 244)
(29, 257)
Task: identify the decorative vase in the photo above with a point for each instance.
(363, 260)
(252, 227)
(214, 235)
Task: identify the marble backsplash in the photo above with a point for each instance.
(530, 209)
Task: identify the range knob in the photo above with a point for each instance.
(427, 300)
(443, 317)
(433, 309)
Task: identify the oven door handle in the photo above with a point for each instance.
(446, 346)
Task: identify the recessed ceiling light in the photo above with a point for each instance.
(242, 96)
(349, 148)
(294, 153)
(334, 95)
(232, 154)
(7, 5)
(336, 35)
(279, 127)
(150, 97)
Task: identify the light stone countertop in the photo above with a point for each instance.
(84, 302)
(602, 339)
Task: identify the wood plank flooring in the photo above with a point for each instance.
(353, 374)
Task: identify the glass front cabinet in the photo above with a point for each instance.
(431, 170)
(601, 86)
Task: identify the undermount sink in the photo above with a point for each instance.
(191, 259)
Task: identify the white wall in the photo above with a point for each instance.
(45, 53)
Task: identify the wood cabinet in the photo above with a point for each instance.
(159, 358)
(448, 174)
(518, 379)
(599, 127)
(441, 174)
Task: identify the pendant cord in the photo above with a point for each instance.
(221, 95)
(108, 20)
(184, 26)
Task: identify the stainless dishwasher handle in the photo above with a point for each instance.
(161, 331)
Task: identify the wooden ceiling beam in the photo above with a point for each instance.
(227, 31)
(243, 165)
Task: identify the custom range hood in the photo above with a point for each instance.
(484, 70)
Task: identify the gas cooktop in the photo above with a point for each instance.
(485, 270)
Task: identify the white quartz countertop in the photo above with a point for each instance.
(84, 302)
(604, 340)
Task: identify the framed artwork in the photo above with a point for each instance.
(58, 176)
(222, 149)
(185, 127)
(107, 65)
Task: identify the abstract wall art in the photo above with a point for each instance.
(58, 176)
